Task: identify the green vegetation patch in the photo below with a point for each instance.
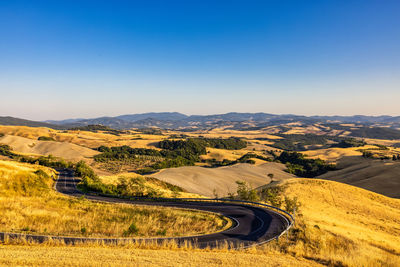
(300, 166)
(46, 138)
(247, 158)
(173, 153)
(351, 142)
(96, 128)
(126, 187)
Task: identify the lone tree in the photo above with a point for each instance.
(271, 175)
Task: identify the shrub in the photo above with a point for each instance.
(5, 150)
(292, 205)
(133, 229)
(367, 154)
(271, 195)
(46, 138)
(245, 192)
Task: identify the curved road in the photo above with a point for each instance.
(251, 225)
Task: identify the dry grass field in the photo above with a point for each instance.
(226, 133)
(28, 204)
(336, 153)
(132, 256)
(339, 225)
(346, 225)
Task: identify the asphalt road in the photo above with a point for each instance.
(251, 225)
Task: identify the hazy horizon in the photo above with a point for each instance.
(205, 114)
(64, 59)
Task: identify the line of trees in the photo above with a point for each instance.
(298, 165)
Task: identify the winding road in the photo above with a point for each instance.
(251, 225)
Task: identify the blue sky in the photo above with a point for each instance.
(67, 59)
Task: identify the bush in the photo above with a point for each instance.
(271, 195)
(367, 154)
(6, 150)
(292, 205)
(245, 192)
(46, 138)
(133, 229)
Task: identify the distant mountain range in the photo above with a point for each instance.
(175, 120)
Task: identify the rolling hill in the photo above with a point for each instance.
(204, 181)
(65, 150)
(22, 122)
(379, 176)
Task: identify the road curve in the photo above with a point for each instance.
(251, 225)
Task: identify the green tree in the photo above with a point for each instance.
(245, 192)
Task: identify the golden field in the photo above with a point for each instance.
(344, 225)
(36, 255)
(336, 153)
(28, 204)
(339, 225)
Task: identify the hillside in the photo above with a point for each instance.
(29, 204)
(345, 225)
(339, 225)
(204, 181)
(376, 175)
(65, 150)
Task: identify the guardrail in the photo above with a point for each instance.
(289, 219)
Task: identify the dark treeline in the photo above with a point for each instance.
(96, 128)
(351, 142)
(300, 166)
(247, 158)
(201, 143)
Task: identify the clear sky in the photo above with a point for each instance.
(68, 59)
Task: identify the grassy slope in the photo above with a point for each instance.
(28, 204)
(345, 224)
(341, 225)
